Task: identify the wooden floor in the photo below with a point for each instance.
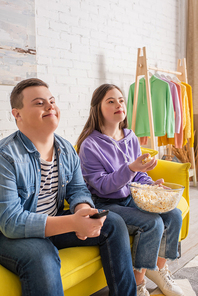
(189, 246)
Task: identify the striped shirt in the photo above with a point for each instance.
(47, 203)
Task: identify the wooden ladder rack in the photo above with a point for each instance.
(143, 69)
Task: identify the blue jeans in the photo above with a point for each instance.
(154, 234)
(36, 261)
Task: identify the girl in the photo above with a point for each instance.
(110, 159)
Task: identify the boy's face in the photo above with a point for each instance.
(39, 113)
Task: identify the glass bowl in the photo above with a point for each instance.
(156, 198)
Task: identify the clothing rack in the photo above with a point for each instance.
(143, 69)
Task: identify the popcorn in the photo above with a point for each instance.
(146, 159)
(155, 198)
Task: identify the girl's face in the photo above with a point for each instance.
(113, 107)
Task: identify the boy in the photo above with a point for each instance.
(38, 171)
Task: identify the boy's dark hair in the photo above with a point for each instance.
(16, 97)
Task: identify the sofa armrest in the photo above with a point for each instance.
(172, 172)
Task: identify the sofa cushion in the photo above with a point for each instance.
(77, 264)
(10, 283)
(152, 152)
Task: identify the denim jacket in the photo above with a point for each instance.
(20, 177)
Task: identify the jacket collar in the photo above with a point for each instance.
(29, 146)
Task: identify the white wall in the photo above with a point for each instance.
(17, 38)
(7, 123)
(83, 43)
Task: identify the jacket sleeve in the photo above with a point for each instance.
(15, 222)
(77, 191)
(142, 178)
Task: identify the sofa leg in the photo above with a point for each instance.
(102, 292)
(179, 250)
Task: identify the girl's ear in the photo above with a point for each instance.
(16, 113)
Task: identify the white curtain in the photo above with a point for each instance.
(192, 50)
(192, 62)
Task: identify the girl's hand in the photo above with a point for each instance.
(138, 166)
(158, 182)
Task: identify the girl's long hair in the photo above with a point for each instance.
(96, 119)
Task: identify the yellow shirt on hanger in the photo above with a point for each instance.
(186, 114)
(190, 103)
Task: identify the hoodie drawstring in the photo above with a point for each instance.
(124, 155)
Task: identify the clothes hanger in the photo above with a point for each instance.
(169, 78)
(150, 74)
(175, 79)
(163, 76)
(157, 75)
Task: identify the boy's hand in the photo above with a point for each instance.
(82, 206)
(138, 166)
(85, 226)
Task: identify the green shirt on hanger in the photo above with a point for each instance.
(162, 106)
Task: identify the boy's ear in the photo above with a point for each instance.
(16, 113)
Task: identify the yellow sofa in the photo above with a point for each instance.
(81, 267)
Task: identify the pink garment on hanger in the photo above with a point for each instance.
(176, 104)
(179, 136)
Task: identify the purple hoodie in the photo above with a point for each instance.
(104, 163)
